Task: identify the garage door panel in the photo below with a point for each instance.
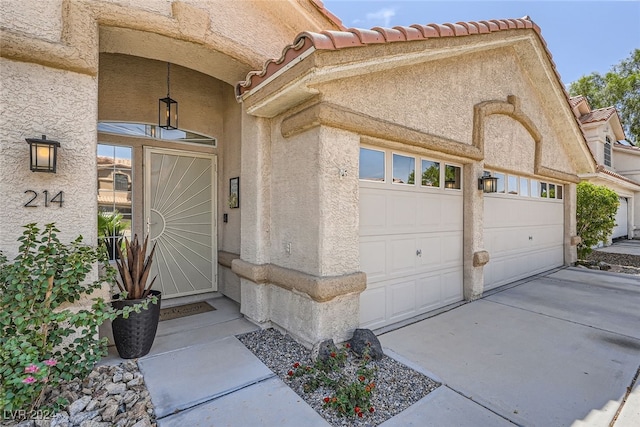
(373, 260)
(428, 292)
(402, 212)
(372, 213)
(402, 299)
(451, 250)
(429, 212)
(373, 304)
(402, 254)
(451, 212)
(451, 285)
(431, 253)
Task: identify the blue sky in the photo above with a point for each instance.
(583, 36)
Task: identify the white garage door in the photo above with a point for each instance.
(524, 236)
(410, 248)
(620, 230)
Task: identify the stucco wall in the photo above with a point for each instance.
(41, 19)
(62, 105)
(438, 98)
(295, 213)
(229, 167)
(129, 89)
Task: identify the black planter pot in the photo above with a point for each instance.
(134, 335)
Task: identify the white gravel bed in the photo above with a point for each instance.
(397, 386)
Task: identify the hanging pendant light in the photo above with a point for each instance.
(167, 107)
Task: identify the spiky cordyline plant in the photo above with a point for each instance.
(134, 269)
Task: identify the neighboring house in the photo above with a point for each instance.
(618, 163)
(359, 152)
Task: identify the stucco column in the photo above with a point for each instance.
(475, 257)
(570, 224)
(255, 207)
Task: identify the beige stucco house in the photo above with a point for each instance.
(359, 153)
(618, 163)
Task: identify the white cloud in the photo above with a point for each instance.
(381, 17)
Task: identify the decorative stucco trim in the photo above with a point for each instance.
(78, 47)
(226, 258)
(332, 115)
(320, 289)
(17, 47)
(511, 108)
(575, 240)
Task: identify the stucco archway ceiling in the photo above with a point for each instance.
(190, 55)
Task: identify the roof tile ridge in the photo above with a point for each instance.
(391, 34)
(458, 30)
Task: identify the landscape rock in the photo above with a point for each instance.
(116, 388)
(78, 405)
(79, 418)
(322, 351)
(364, 339)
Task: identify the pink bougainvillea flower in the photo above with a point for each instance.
(29, 380)
(50, 362)
(31, 369)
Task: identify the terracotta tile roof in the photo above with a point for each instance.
(357, 37)
(599, 115)
(606, 171)
(575, 100)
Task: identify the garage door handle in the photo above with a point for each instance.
(419, 252)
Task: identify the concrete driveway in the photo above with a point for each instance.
(555, 350)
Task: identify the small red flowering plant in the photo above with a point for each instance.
(348, 391)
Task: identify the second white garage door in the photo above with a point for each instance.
(524, 236)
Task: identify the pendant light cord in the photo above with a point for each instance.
(168, 81)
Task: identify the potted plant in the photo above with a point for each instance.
(134, 334)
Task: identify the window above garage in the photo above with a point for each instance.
(377, 164)
(516, 185)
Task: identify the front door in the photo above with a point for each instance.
(180, 209)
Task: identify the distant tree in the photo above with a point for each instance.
(595, 215)
(620, 88)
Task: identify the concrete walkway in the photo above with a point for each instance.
(631, 247)
(557, 350)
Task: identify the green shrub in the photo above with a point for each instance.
(45, 340)
(595, 214)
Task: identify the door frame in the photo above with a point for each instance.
(147, 151)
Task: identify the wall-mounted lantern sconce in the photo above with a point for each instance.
(488, 183)
(43, 154)
(450, 184)
(168, 108)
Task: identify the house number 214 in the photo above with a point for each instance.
(32, 202)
